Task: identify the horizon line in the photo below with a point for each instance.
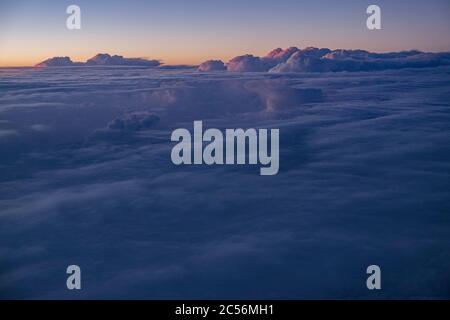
(198, 63)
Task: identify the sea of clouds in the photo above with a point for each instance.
(86, 178)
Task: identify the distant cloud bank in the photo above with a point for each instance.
(279, 60)
(313, 59)
(212, 65)
(101, 59)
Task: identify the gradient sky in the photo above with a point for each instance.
(189, 32)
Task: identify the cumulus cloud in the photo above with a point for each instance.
(212, 65)
(281, 55)
(312, 59)
(274, 58)
(277, 95)
(101, 59)
(325, 60)
(104, 59)
(123, 127)
(56, 62)
(292, 59)
(247, 63)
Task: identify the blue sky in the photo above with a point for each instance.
(191, 31)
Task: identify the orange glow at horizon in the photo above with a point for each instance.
(183, 32)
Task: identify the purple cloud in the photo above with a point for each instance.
(212, 65)
(115, 60)
(247, 63)
(56, 62)
(101, 59)
(325, 60)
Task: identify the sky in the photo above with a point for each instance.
(190, 32)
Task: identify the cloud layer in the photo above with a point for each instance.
(313, 59)
(101, 59)
(289, 60)
(86, 178)
(212, 65)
